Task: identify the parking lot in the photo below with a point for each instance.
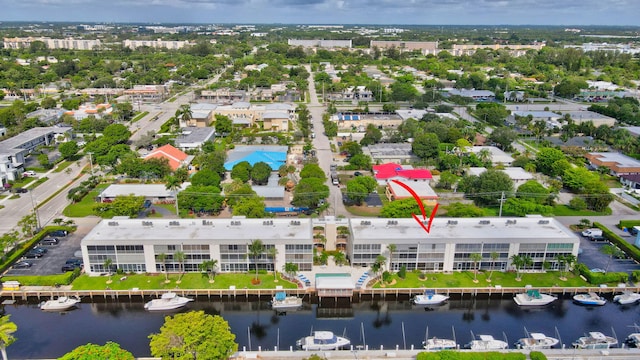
(592, 256)
(51, 263)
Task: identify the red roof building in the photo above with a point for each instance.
(391, 171)
(176, 157)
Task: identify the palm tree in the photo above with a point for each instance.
(290, 269)
(494, 256)
(7, 328)
(107, 266)
(162, 257)
(611, 251)
(256, 249)
(173, 184)
(340, 258)
(184, 113)
(484, 155)
(209, 266)
(273, 252)
(180, 256)
(519, 261)
(378, 265)
(475, 258)
(391, 248)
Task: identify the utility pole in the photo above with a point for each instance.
(502, 199)
(35, 209)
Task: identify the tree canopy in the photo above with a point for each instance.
(193, 335)
(108, 351)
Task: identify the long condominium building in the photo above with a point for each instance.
(67, 43)
(135, 245)
(156, 44)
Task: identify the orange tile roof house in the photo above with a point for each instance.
(617, 163)
(177, 158)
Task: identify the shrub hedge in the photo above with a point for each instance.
(44, 280)
(628, 223)
(601, 278)
(537, 355)
(630, 249)
(17, 252)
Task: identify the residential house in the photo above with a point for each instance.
(617, 163)
(192, 138)
(388, 172)
(175, 157)
(517, 174)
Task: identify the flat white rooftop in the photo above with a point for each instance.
(443, 230)
(146, 190)
(143, 231)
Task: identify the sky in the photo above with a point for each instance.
(407, 12)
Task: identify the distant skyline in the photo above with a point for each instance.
(398, 12)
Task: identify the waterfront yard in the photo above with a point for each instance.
(188, 281)
(465, 279)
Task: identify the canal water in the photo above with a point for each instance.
(374, 323)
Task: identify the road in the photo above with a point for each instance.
(16, 209)
(321, 143)
(163, 111)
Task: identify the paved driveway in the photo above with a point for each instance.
(593, 257)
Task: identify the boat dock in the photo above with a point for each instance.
(40, 292)
(399, 354)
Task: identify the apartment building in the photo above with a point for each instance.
(156, 44)
(270, 116)
(14, 150)
(135, 244)
(67, 43)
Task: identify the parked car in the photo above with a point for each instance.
(22, 265)
(59, 233)
(74, 261)
(597, 238)
(69, 267)
(49, 242)
(40, 250)
(19, 190)
(33, 255)
(29, 173)
(357, 173)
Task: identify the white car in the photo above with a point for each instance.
(29, 173)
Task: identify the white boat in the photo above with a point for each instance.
(633, 340)
(595, 340)
(439, 344)
(626, 298)
(168, 301)
(589, 299)
(60, 303)
(533, 298)
(537, 341)
(487, 342)
(429, 298)
(323, 340)
(282, 302)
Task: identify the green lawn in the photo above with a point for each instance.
(504, 279)
(63, 165)
(38, 182)
(140, 116)
(189, 281)
(84, 207)
(563, 210)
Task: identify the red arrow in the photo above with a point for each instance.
(426, 228)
